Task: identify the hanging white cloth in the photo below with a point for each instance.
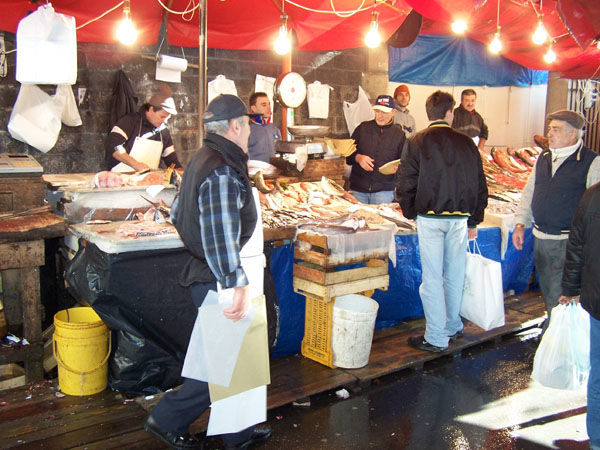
(221, 85)
(359, 111)
(318, 100)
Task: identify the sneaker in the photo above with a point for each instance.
(456, 336)
(420, 343)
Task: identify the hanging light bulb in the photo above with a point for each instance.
(282, 44)
(540, 36)
(496, 44)
(459, 26)
(126, 32)
(373, 38)
(550, 56)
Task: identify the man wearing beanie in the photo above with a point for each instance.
(559, 178)
(215, 216)
(403, 116)
(147, 132)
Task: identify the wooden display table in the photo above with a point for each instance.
(26, 258)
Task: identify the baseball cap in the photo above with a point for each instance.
(225, 107)
(401, 88)
(161, 100)
(573, 118)
(385, 103)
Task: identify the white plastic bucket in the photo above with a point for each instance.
(352, 330)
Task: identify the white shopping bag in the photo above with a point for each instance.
(483, 298)
(35, 118)
(562, 360)
(359, 111)
(220, 85)
(65, 102)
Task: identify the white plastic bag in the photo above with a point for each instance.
(35, 118)
(220, 85)
(318, 100)
(359, 111)
(562, 360)
(65, 102)
(483, 298)
(46, 48)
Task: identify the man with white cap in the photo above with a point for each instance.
(141, 139)
(378, 142)
(559, 178)
(403, 117)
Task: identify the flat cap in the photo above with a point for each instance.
(224, 107)
(573, 118)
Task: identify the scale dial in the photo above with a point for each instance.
(290, 89)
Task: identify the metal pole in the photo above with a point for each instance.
(201, 70)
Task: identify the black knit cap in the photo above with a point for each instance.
(573, 118)
(225, 107)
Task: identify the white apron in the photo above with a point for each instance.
(144, 150)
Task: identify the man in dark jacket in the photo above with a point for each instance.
(581, 282)
(469, 121)
(378, 142)
(215, 216)
(441, 183)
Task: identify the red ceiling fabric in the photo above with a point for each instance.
(253, 25)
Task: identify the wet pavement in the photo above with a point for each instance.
(483, 399)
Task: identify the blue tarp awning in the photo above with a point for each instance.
(447, 61)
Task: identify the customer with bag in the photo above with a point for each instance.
(581, 282)
(441, 183)
(561, 175)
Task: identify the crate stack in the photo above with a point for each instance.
(321, 279)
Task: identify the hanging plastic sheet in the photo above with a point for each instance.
(447, 61)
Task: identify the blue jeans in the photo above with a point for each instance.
(374, 198)
(593, 389)
(443, 247)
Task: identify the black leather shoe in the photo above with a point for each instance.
(420, 343)
(456, 336)
(261, 433)
(172, 440)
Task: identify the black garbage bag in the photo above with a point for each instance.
(151, 316)
(271, 300)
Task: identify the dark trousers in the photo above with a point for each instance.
(178, 409)
(549, 256)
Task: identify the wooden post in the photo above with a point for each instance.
(286, 66)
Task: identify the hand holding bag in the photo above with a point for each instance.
(562, 360)
(483, 298)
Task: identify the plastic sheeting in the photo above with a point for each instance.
(446, 61)
(401, 301)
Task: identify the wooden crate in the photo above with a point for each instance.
(333, 168)
(316, 343)
(21, 193)
(320, 253)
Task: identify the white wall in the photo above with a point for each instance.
(512, 114)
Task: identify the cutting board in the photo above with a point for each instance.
(104, 236)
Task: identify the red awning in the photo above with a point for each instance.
(253, 25)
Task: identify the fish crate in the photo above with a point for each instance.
(316, 344)
(315, 168)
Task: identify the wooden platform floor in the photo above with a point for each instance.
(38, 416)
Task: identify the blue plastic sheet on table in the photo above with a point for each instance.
(401, 301)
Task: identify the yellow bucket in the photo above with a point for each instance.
(81, 348)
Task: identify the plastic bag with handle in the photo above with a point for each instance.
(562, 360)
(359, 111)
(35, 118)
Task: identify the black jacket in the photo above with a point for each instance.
(123, 102)
(441, 175)
(581, 274)
(383, 144)
(470, 124)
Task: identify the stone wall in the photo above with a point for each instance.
(80, 149)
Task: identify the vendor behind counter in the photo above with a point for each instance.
(140, 140)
